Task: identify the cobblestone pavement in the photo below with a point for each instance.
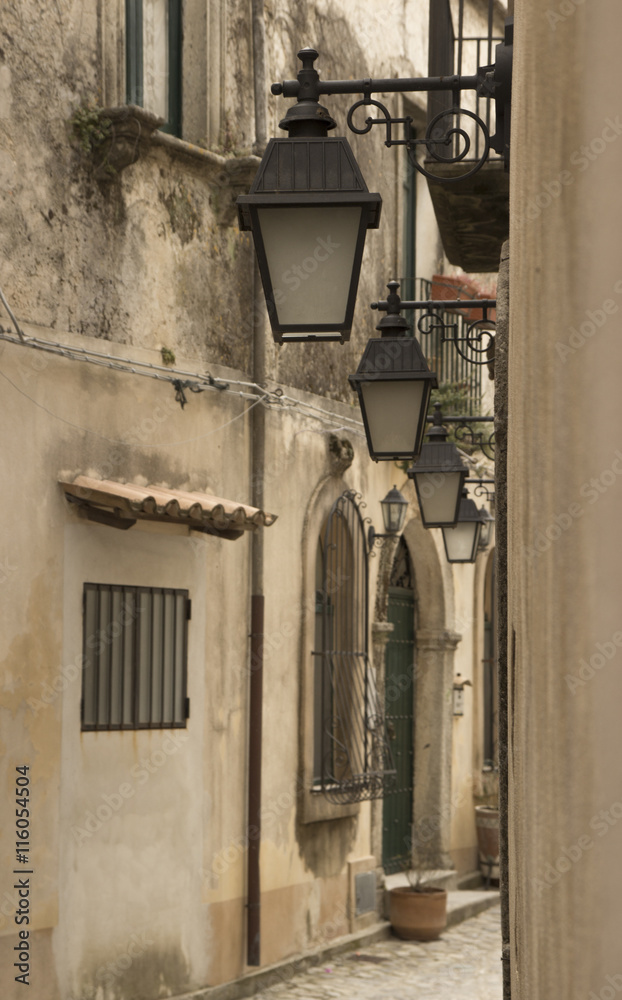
(464, 964)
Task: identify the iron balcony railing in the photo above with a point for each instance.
(452, 51)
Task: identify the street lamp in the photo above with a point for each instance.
(487, 523)
(393, 509)
(439, 476)
(461, 541)
(309, 210)
(393, 384)
(309, 207)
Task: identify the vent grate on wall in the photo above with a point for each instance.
(364, 893)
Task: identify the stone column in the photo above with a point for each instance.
(380, 634)
(433, 745)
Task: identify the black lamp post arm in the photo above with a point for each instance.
(439, 304)
(479, 334)
(446, 138)
(307, 89)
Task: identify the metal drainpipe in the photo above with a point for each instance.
(258, 448)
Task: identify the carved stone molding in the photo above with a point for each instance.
(381, 632)
(437, 639)
(340, 454)
(130, 128)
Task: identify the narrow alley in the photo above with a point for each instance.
(464, 964)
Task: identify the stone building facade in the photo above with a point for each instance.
(137, 367)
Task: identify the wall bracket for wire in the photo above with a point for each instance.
(207, 382)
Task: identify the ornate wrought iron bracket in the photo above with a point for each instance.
(436, 136)
(465, 432)
(374, 536)
(477, 343)
(480, 488)
(446, 139)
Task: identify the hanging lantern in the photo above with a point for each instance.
(439, 476)
(309, 210)
(393, 383)
(461, 541)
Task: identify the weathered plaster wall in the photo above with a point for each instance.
(98, 882)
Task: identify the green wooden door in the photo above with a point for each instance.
(397, 812)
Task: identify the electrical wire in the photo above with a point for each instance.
(143, 444)
(13, 319)
(270, 398)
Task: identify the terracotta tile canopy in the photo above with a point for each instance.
(120, 505)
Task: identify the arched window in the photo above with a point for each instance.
(351, 757)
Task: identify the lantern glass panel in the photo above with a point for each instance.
(461, 541)
(439, 496)
(393, 515)
(484, 537)
(310, 253)
(393, 411)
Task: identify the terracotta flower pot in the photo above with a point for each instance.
(419, 915)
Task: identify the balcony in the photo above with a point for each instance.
(472, 214)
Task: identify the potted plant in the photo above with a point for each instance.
(417, 912)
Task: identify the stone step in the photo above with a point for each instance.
(465, 903)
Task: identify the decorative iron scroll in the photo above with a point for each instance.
(482, 488)
(465, 433)
(477, 344)
(447, 129)
(455, 139)
(356, 757)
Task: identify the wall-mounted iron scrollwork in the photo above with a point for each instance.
(469, 431)
(474, 342)
(466, 434)
(481, 488)
(454, 138)
(449, 135)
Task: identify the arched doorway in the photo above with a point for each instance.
(397, 812)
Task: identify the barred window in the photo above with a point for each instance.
(351, 758)
(135, 643)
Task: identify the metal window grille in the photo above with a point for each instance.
(353, 760)
(136, 58)
(135, 642)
